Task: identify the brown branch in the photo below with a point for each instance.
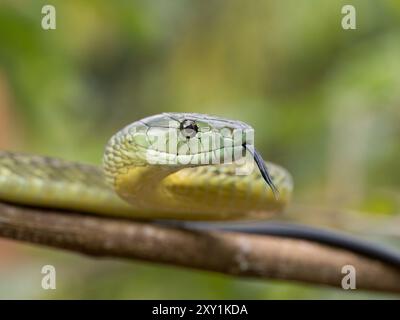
(228, 253)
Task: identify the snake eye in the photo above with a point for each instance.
(189, 128)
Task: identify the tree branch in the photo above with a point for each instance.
(228, 253)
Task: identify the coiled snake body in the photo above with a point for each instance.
(179, 166)
(145, 175)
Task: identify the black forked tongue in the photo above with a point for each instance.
(263, 169)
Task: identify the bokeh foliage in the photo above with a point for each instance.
(324, 102)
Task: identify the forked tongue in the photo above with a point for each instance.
(263, 169)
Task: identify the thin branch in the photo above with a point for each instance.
(229, 253)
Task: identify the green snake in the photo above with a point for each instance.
(169, 167)
(158, 167)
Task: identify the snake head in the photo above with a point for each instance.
(178, 140)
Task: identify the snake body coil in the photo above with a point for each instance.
(179, 166)
(168, 166)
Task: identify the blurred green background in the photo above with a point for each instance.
(324, 102)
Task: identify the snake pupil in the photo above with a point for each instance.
(189, 128)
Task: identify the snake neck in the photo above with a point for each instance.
(143, 187)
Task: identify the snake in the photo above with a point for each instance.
(186, 167)
(135, 182)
